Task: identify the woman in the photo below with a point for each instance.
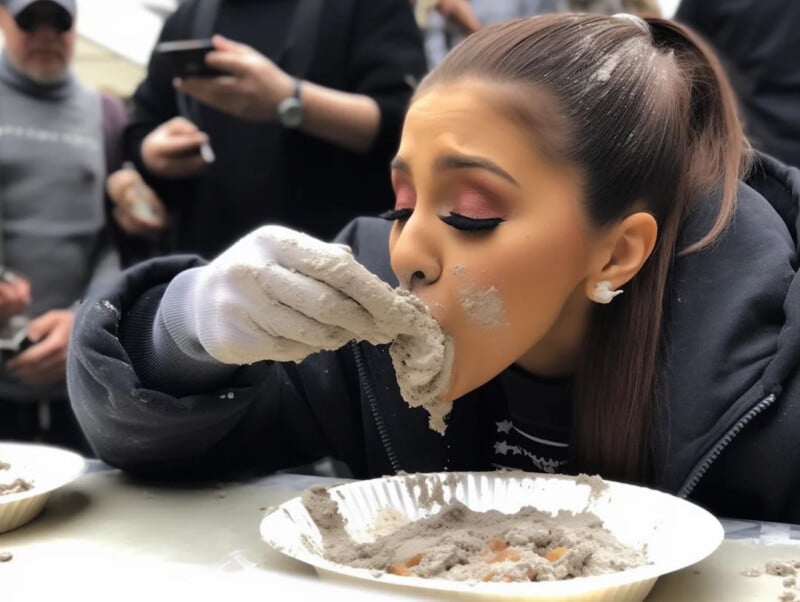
(546, 165)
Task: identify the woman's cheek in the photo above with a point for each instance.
(479, 299)
(483, 305)
(477, 322)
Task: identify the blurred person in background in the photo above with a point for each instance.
(759, 45)
(641, 8)
(139, 217)
(446, 22)
(307, 150)
(54, 242)
(458, 13)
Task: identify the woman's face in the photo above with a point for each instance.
(491, 235)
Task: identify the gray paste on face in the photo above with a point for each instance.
(481, 305)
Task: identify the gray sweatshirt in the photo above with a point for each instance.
(52, 171)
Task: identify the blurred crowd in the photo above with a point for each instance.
(295, 125)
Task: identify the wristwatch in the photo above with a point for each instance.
(290, 110)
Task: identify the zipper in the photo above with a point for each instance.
(702, 468)
(363, 376)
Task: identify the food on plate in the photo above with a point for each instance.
(9, 483)
(462, 544)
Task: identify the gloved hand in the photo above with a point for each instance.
(281, 295)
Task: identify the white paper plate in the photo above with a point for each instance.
(46, 468)
(676, 533)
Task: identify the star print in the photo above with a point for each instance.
(504, 426)
(501, 447)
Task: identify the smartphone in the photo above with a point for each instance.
(187, 58)
(13, 340)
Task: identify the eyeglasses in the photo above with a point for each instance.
(59, 19)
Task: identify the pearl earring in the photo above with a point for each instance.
(603, 293)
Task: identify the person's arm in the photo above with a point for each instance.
(191, 416)
(348, 120)
(386, 62)
(44, 362)
(642, 8)
(175, 369)
(153, 106)
(460, 14)
(255, 87)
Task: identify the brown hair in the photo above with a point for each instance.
(651, 123)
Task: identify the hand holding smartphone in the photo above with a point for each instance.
(14, 338)
(187, 58)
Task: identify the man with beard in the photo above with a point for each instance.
(52, 219)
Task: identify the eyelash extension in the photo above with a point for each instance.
(471, 224)
(396, 215)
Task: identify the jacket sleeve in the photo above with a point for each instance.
(386, 63)
(257, 418)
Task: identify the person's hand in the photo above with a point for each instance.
(252, 90)
(15, 295)
(460, 13)
(137, 208)
(278, 294)
(172, 150)
(422, 10)
(44, 362)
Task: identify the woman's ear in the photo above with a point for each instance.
(623, 251)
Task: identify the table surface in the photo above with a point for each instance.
(107, 537)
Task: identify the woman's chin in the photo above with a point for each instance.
(464, 381)
(457, 388)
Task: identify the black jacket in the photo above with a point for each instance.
(759, 44)
(265, 173)
(729, 426)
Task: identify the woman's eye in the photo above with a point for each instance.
(396, 215)
(471, 224)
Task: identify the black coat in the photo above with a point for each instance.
(758, 43)
(728, 430)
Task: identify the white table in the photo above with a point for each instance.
(108, 538)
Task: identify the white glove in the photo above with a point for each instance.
(281, 295)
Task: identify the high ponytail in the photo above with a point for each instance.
(718, 154)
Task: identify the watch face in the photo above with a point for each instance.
(290, 112)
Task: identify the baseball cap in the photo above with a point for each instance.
(18, 7)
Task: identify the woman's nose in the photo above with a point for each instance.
(414, 254)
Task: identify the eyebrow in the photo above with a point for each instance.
(459, 162)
